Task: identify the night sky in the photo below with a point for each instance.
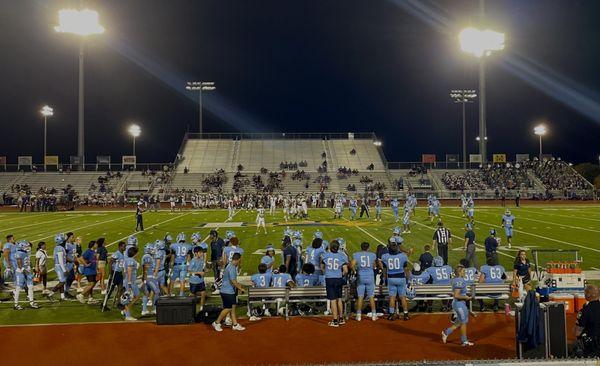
(300, 66)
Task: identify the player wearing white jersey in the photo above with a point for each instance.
(273, 203)
(260, 219)
(286, 209)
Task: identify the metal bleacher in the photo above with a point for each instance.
(207, 155)
(366, 153)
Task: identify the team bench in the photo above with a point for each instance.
(483, 291)
(288, 295)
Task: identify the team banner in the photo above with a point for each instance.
(475, 158)
(452, 158)
(51, 160)
(25, 160)
(3, 160)
(128, 160)
(428, 158)
(103, 159)
(499, 158)
(75, 160)
(522, 157)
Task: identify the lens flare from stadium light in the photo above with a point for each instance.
(47, 111)
(480, 43)
(135, 130)
(540, 130)
(83, 22)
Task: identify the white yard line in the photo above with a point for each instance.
(565, 216)
(557, 224)
(535, 235)
(36, 223)
(83, 227)
(78, 323)
(361, 229)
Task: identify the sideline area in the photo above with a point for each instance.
(269, 341)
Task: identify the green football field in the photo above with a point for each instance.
(537, 227)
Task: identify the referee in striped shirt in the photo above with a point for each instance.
(443, 239)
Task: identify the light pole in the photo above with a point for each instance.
(200, 86)
(540, 130)
(481, 43)
(81, 23)
(134, 131)
(46, 111)
(463, 96)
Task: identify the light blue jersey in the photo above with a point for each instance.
(313, 255)
(229, 274)
(471, 275)
(261, 280)
(230, 251)
(268, 260)
(440, 275)
(333, 264)
(306, 280)
(493, 274)
(420, 279)
(196, 265)
(281, 279)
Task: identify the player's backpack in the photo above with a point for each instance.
(208, 315)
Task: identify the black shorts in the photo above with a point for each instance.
(228, 300)
(117, 279)
(334, 288)
(91, 278)
(197, 287)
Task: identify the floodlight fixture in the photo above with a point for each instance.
(83, 22)
(479, 42)
(200, 86)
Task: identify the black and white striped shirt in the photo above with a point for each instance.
(442, 236)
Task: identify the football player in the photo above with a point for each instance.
(440, 275)
(129, 283)
(160, 258)
(508, 221)
(378, 209)
(307, 277)
(395, 266)
(260, 219)
(491, 272)
(269, 258)
(23, 274)
(419, 277)
(364, 262)
(60, 265)
(352, 205)
(149, 282)
(179, 261)
(395, 205)
(314, 253)
(335, 266)
(459, 292)
(196, 270)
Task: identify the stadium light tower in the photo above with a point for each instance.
(81, 23)
(135, 131)
(200, 86)
(46, 111)
(540, 130)
(481, 43)
(463, 96)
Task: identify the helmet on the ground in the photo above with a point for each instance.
(126, 298)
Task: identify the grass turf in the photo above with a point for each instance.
(537, 227)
